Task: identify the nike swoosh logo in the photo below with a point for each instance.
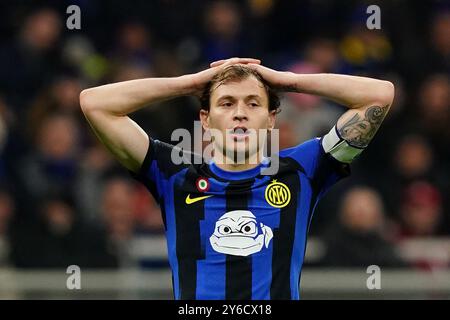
(190, 200)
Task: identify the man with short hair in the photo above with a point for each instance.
(235, 231)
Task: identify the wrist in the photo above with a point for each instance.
(290, 82)
(186, 85)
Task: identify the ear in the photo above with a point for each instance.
(272, 118)
(204, 118)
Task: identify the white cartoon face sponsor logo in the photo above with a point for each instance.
(238, 233)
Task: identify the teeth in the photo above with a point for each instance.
(239, 131)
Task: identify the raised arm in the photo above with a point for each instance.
(106, 108)
(368, 99)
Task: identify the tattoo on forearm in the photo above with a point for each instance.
(358, 131)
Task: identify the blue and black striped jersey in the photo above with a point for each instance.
(238, 235)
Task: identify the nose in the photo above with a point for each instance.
(240, 112)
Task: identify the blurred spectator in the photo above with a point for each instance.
(222, 25)
(414, 160)
(434, 112)
(307, 118)
(57, 238)
(94, 181)
(79, 54)
(432, 55)
(307, 115)
(365, 50)
(6, 214)
(94, 165)
(133, 45)
(27, 65)
(61, 97)
(3, 126)
(420, 211)
(126, 209)
(147, 213)
(3, 138)
(117, 212)
(321, 56)
(440, 42)
(419, 232)
(130, 71)
(53, 165)
(132, 56)
(168, 64)
(359, 239)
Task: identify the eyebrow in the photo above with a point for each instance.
(226, 97)
(253, 96)
(249, 97)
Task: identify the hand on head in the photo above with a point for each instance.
(277, 79)
(228, 62)
(200, 79)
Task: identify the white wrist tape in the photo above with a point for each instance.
(338, 148)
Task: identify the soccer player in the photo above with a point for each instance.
(234, 232)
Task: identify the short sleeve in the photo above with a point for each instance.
(321, 168)
(157, 167)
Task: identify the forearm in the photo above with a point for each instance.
(350, 91)
(369, 101)
(126, 97)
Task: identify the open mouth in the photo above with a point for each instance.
(239, 133)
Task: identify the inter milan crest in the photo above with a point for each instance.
(277, 194)
(202, 184)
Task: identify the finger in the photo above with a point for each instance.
(254, 66)
(217, 63)
(232, 61)
(226, 66)
(263, 71)
(224, 61)
(235, 62)
(250, 60)
(244, 60)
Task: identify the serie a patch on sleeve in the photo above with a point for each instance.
(339, 148)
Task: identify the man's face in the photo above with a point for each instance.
(238, 110)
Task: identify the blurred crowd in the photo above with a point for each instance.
(64, 200)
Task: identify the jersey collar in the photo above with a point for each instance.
(238, 175)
